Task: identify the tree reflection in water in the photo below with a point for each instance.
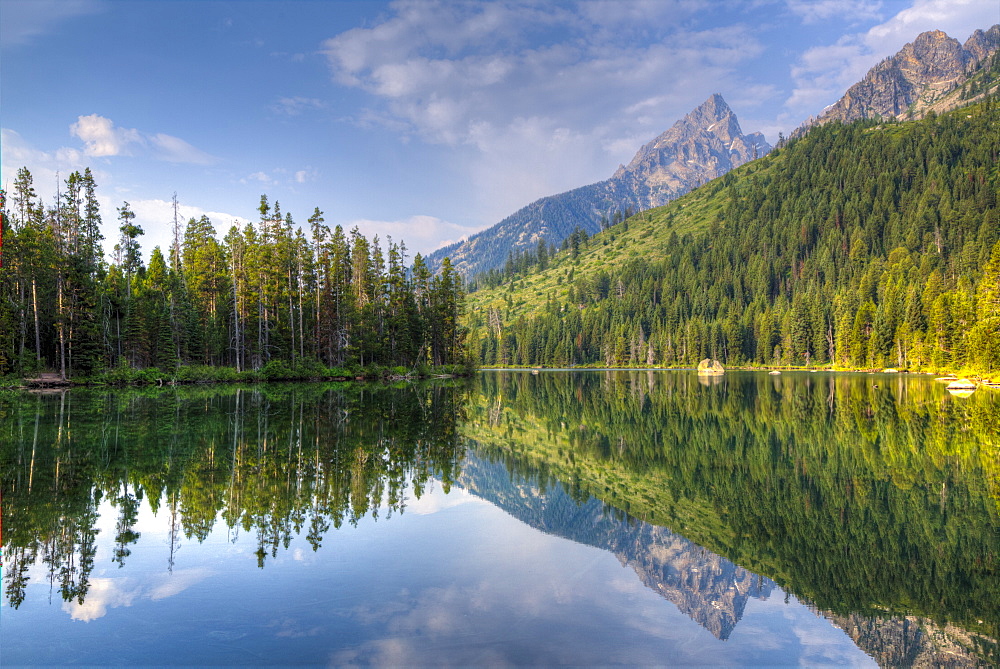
(275, 461)
(877, 505)
(870, 500)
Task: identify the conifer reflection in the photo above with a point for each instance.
(274, 462)
(862, 496)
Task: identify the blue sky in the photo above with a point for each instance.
(426, 121)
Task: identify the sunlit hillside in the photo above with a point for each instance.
(866, 245)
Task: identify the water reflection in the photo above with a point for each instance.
(275, 462)
(875, 500)
(708, 588)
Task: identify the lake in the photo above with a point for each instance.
(559, 518)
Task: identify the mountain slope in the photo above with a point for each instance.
(705, 144)
(869, 244)
(922, 77)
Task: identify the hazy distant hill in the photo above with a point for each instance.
(929, 74)
(705, 144)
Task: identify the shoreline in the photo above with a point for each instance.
(978, 377)
(203, 375)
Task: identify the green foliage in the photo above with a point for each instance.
(861, 498)
(266, 299)
(863, 245)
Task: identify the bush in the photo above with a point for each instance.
(309, 368)
(204, 374)
(276, 370)
(127, 375)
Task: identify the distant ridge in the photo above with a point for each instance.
(705, 144)
(925, 75)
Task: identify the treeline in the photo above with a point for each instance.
(264, 297)
(520, 263)
(864, 245)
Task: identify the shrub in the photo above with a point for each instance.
(309, 368)
(276, 370)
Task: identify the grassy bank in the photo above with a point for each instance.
(276, 370)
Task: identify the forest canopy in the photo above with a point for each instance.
(265, 294)
(868, 245)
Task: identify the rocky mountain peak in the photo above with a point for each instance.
(705, 144)
(932, 56)
(916, 79)
(981, 44)
(709, 113)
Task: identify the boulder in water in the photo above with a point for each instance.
(709, 367)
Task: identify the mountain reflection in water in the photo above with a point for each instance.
(875, 501)
(877, 506)
(708, 588)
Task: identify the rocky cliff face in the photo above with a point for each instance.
(710, 589)
(917, 79)
(916, 642)
(703, 145)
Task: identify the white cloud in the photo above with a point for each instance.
(259, 177)
(421, 234)
(448, 71)
(545, 97)
(43, 165)
(305, 176)
(958, 18)
(281, 176)
(102, 138)
(176, 150)
(816, 11)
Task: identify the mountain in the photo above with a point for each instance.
(708, 588)
(865, 244)
(912, 641)
(928, 74)
(703, 145)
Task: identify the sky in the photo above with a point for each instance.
(420, 120)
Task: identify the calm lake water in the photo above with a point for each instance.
(560, 518)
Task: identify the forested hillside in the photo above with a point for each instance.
(264, 297)
(871, 245)
(705, 144)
